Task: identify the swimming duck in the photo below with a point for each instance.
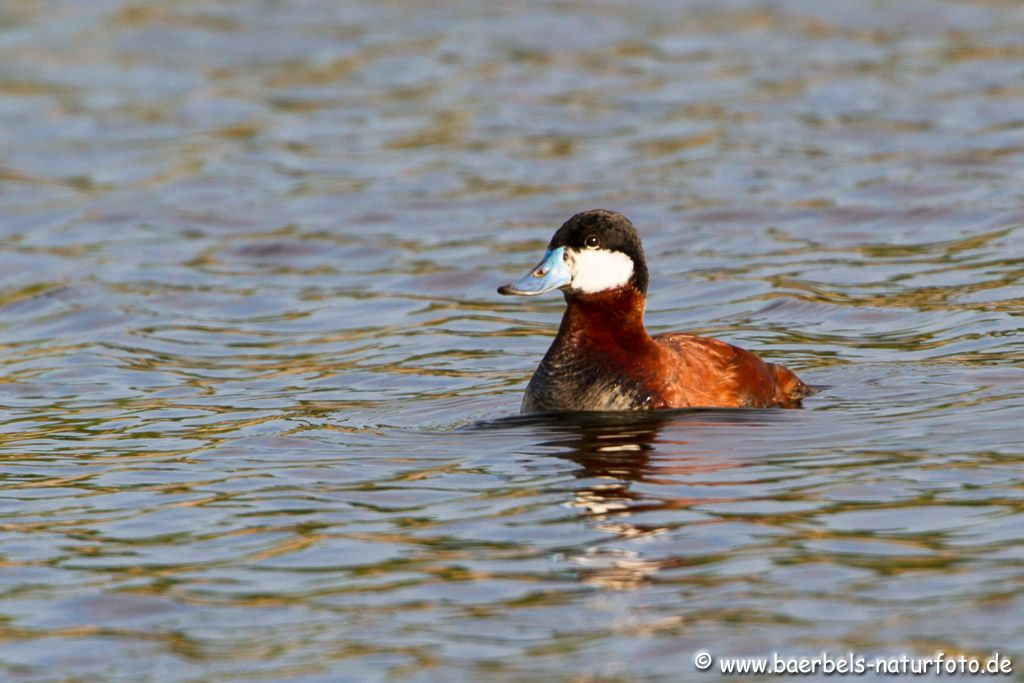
(603, 357)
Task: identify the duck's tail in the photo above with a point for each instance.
(789, 389)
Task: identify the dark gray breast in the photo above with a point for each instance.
(566, 382)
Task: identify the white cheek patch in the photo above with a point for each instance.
(595, 270)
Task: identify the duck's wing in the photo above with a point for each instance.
(715, 373)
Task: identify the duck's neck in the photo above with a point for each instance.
(597, 361)
(612, 318)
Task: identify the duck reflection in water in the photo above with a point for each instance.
(617, 451)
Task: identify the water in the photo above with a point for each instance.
(258, 394)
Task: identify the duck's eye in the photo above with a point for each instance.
(592, 242)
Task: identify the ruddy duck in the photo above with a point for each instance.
(604, 359)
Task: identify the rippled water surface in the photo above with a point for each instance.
(259, 396)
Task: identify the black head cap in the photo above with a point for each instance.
(604, 229)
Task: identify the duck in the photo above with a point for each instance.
(604, 359)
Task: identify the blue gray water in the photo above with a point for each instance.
(258, 395)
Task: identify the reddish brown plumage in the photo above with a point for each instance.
(712, 373)
(603, 357)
